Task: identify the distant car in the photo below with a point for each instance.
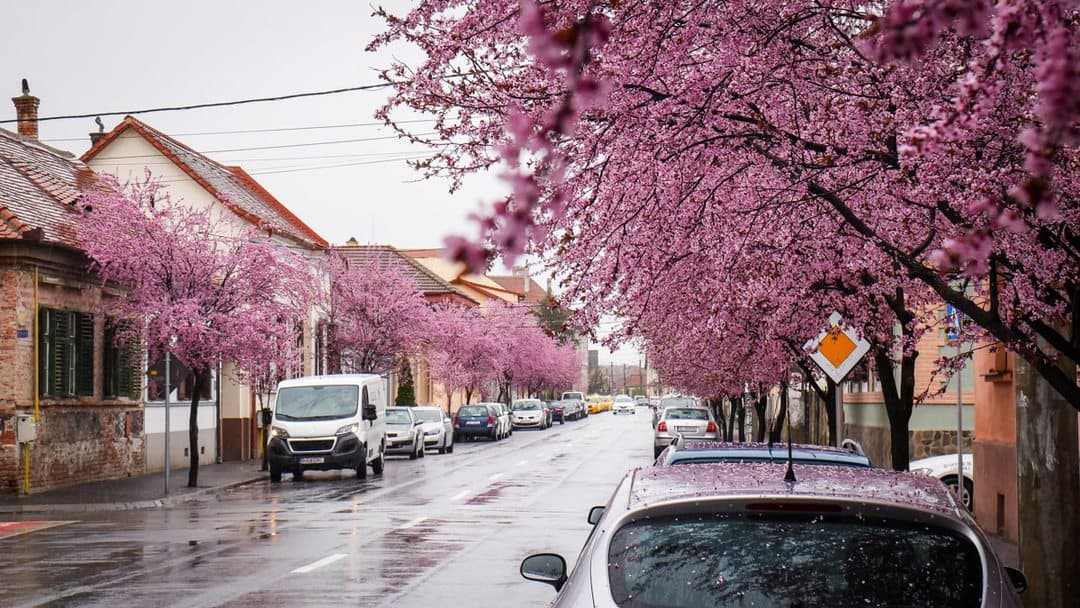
(731, 535)
(640, 400)
(502, 417)
(682, 451)
(529, 413)
(477, 420)
(690, 422)
(944, 468)
(557, 411)
(623, 404)
(437, 426)
(573, 409)
(670, 401)
(404, 432)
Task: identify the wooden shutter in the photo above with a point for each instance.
(45, 350)
(84, 354)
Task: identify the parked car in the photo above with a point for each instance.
(328, 422)
(438, 428)
(640, 400)
(944, 468)
(734, 535)
(502, 417)
(478, 420)
(574, 401)
(623, 404)
(671, 401)
(529, 413)
(682, 451)
(557, 411)
(690, 422)
(404, 432)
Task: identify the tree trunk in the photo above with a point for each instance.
(193, 428)
(742, 420)
(761, 403)
(468, 396)
(721, 417)
(830, 411)
(899, 404)
(736, 403)
(1047, 487)
(776, 431)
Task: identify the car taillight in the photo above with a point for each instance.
(711, 427)
(491, 420)
(662, 427)
(455, 421)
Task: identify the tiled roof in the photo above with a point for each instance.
(387, 256)
(39, 186)
(516, 284)
(230, 185)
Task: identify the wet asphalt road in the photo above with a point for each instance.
(445, 530)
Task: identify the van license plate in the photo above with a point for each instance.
(313, 460)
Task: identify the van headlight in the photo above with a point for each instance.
(923, 471)
(277, 432)
(348, 428)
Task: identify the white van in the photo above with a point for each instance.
(328, 422)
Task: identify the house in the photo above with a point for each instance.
(227, 416)
(477, 286)
(435, 289)
(58, 362)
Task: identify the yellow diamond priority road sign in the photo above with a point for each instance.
(837, 349)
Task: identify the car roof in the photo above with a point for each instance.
(750, 445)
(652, 486)
(329, 379)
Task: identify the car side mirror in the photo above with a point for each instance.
(595, 514)
(545, 568)
(418, 423)
(369, 413)
(1017, 578)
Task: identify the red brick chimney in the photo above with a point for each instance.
(26, 106)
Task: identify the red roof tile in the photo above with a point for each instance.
(387, 256)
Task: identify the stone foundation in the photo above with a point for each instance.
(921, 444)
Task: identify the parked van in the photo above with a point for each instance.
(328, 422)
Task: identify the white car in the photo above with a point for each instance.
(438, 428)
(623, 404)
(944, 468)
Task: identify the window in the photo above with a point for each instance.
(66, 353)
(181, 381)
(121, 367)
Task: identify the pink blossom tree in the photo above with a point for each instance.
(463, 353)
(203, 293)
(377, 315)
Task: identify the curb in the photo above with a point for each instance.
(155, 503)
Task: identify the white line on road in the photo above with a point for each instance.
(319, 564)
(415, 522)
(495, 476)
(460, 495)
(523, 463)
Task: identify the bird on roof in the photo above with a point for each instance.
(25, 87)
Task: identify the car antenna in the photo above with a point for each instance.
(789, 475)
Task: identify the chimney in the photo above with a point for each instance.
(26, 106)
(95, 136)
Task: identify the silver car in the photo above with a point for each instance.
(530, 413)
(735, 535)
(404, 434)
(689, 421)
(502, 419)
(437, 426)
(670, 401)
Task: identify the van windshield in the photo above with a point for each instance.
(316, 402)
(573, 395)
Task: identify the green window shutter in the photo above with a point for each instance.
(61, 357)
(84, 354)
(132, 373)
(110, 363)
(45, 348)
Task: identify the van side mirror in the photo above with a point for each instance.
(595, 514)
(545, 568)
(1017, 578)
(368, 412)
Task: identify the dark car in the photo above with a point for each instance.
(558, 413)
(699, 452)
(476, 421)
(734, 535)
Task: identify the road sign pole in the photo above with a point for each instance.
(959, 429)
(839, 414)
(167, 389)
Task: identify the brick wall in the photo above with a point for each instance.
(78, 439)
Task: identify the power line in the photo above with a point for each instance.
(218, 104)
(276, 130)
(277, 147)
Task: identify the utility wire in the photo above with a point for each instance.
(218, 104)
(278, 147)
(277, 130)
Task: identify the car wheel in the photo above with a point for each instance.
(298, 474)
(967, 498)
(656, 451)
(450, 448)
(423, 450)
(494, 435)
(275, 473)
(361, 469)
(412, 454)
(377, 465)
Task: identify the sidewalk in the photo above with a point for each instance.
(143, 492)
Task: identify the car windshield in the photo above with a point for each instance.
(316, 402)
(473, 410)
(398, 417)
(526, 405)
(573, 395)
(673, 401)
(428, 415)
(686, 414)
(622, 399)
(811, 561)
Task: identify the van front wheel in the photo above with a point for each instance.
(275, 473)
(361, 469)
(377, 465)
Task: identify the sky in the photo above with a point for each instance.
(86, 56)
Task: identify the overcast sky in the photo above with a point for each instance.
(84, 57)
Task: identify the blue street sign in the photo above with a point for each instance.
(954, 322)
